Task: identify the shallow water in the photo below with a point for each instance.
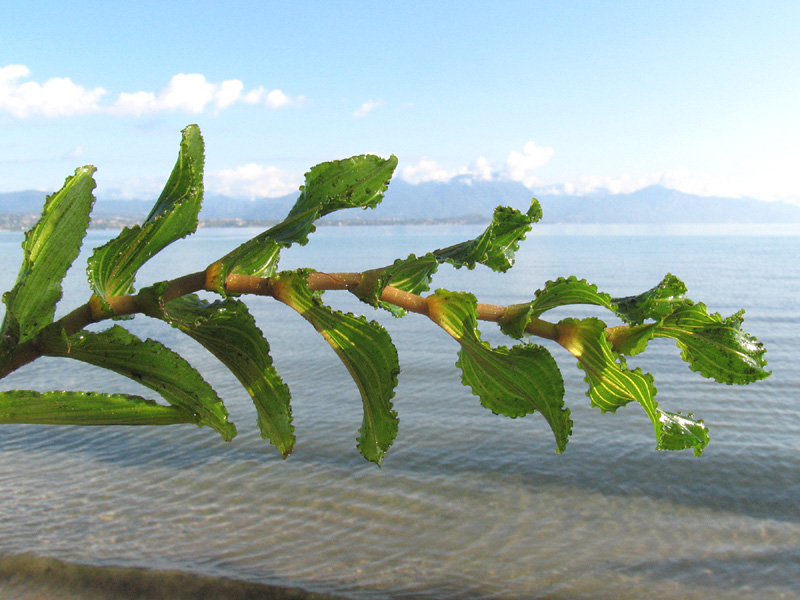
(467, 504)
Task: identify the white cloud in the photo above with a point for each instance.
(767, 184)
(13, 72)
(193, 94)
(229, 92)
(426, 170)
(519, 166)
(482, 169)
(771, 180)
(367, 107)
(55, 97)
(273, 99)
(190, 93)
(137, 103)
(615, 184)
(430, 170)
(253, 181)
(276, 99)
(255, 96)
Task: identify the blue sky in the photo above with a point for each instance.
(563, 96)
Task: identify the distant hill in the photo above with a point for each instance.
(22, 203)
(656, 204)
(461, 198)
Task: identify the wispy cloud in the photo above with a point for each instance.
(615, 184)
(729, 185)
(253, 181)
(367, 107)
(74, 154)
(189, 93)
(131, 188)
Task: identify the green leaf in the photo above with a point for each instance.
(655, 303)
(681, 433)
(113, 267)
(227, 330)
(716, 348)
(412, 275)
(561, 292)
(365, 349)
(512, 382)
(49, 249)
(632, 339)
(515, 319)
(612, 384)
(496, 246)
(86, 408)
(357, 182)
(571, 290)
(149, 363)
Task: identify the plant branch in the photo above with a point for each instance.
(90, 312)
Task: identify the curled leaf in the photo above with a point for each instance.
(570, 290)
(367, 352)
(496, 246)
(654, 304)
(612, 384)
(357, 182)
(412, 275)
(716, 348)
(680, 432)
(512, 382)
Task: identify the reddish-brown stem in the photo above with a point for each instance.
(93, 311)
(188, 284)
(333, 281)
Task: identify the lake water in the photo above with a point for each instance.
(467, 504)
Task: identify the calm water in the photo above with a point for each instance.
(467, 504)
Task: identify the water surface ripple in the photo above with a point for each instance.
(467, 504)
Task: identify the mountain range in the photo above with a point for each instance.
(462, 198)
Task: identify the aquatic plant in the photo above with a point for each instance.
(513, 381)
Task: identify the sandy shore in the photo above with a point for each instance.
(28, 577)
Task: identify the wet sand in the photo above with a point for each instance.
(28, 577)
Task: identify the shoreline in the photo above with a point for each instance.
(24, 576)
(20, 222)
